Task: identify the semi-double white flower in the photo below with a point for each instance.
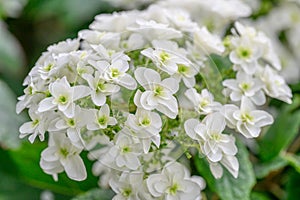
(158, 93)
(71, 125)
(246, 120)
(152, 30)
(129, 186)
(100, 88)
(146, 126)
(206, 42)
(100, 119)
(274, 85)
(214, 144)
(231, 163)
(245, 85)
(124, 154)
(166, 55)
(116, 73)
(63, 97)
(203, 103)
(61, 156)
(37, 126)
(245, 54)
(174, 182)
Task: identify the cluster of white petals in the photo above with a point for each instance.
(120, 90)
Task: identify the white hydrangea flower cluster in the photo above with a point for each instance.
(283, 21)
(120, 91)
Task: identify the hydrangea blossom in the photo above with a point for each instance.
(129, 91)
(63, 97)
(158, 93)
(214, 144)
(203, 103)
(246, 119)
(61, 155)
(174, 182)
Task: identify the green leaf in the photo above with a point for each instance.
(11, 180)
(292, 187)
(259, 196)
(11, 54)
(282, 132)
(9, 120)
(9, 184)
(293, 160)
(228, 187)
(96, 194)
(263, 169)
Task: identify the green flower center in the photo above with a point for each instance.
(102, 120)
(126, 192)
(48, 67)
(216, 137)
(183, 69)
(62, 99)
(245, 86)
(115, 73)
(203, 103)
(164, 56)
(125, 150)
(146, 122)
(101, 86)
(244, 52)
(35, 123)
(71, 122)
(173, 189)
(246, 117)
(64, 152)
(158, 91)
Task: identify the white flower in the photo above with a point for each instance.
(100, 88)
(128, 186)
(72, 126)
(166, 55)
(109, 55)
(246, 119)
(61, 156)
(100, 119)
(158, 94)
(32, 96)
(116, 73)
(121, 20)
(213, 143)
(64, 46)
(258, 39)
(146, 126)
(231, 163)
(108, 39)
(274, 85)
(174, 182)
(152, 30)
(135, 41)
(203, 103)
(245, 54)
(180, 19)
(207, 42)
(124, 154)
(36, 127)
(245, 85)
(63, 97)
